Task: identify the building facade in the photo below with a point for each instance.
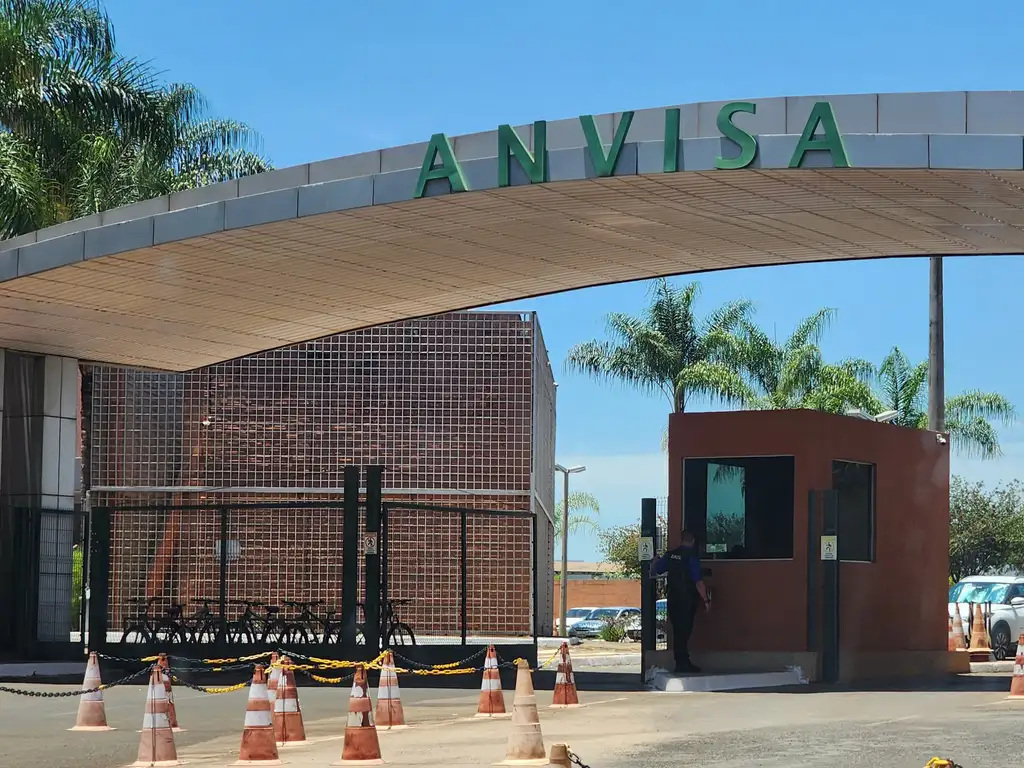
(458, 408)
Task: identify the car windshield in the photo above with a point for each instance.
(577, 613)
(978, 592)
(603, 614)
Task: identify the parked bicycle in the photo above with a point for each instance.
(204, 625)
(308, 627)
(393, 630)
(147, 628)
(251, 627)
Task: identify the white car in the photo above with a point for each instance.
(573, 616)
(1002, 599)
(634, 631)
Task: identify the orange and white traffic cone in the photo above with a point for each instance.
(525, 743)
(957, 641)
(1017, 681)
(361, 743)
(156, 747)
(492, 699)
(274, 678)
(980, 649)
(560, 756)
(92, 715)
(165, 669)
(566, 694)
(390, 714)
(288, 727)
(259, 746)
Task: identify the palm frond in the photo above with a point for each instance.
(974, 437)
(975, 404)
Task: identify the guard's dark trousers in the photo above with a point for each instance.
(682, 614)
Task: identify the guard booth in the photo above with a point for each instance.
(826, 539)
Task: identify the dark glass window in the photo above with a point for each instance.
(740, 508)
(854, 484)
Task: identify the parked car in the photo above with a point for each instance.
(573, 616)
(1002, 599)
(592, 625)
(633, 628)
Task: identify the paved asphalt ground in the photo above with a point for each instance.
(969, 720)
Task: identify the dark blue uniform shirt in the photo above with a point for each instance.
(692, 565)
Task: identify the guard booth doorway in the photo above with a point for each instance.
(808, 522)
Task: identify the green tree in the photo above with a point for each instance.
(793, 373)
(903, 387)
(667, 349)
(582, 509)
(620, 547)
(84, 129)
(61, 78)
(986, 528)
(113, 171)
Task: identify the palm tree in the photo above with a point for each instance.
(902, 387)
(83, 129)
(667, 349)
(794, 374)
(582, 507)
(61, 77)
(114, 172)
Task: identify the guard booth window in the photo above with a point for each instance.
(740, 508)
(854, 484)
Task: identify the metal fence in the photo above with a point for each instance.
(42, 581)
(252, 577)
(461, 575)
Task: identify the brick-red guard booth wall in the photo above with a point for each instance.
(897, 602)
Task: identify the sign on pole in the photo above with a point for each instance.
(645, 548)
(370, 543)
(829, 547)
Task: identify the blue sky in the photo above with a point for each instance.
(321, 79)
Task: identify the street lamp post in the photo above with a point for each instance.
(566, 471)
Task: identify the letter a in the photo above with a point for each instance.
(830, 141)
(440, 147)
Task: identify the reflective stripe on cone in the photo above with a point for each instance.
(389, 715)
(361, 744)
(259, 744)
(288, 727)
(92, 714)
(492, 700)
(156, 745)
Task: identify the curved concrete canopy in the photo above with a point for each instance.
(223, 271)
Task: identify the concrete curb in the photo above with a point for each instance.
(992, 666)
(611, 660)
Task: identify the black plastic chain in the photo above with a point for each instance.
(420, 665)
(207, 689)
(309, 673)
(66, 694)
(576, 761)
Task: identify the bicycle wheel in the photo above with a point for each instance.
(167, 632)
(299, 635)
(135, 634)
(239, 633)
(401, 634)
(276, 633)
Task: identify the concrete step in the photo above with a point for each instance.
(705, 683)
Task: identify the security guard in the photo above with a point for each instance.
(686, 593)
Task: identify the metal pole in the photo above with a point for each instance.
(565, 553)
(464, 575)
(936, 350)
(222, 630)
